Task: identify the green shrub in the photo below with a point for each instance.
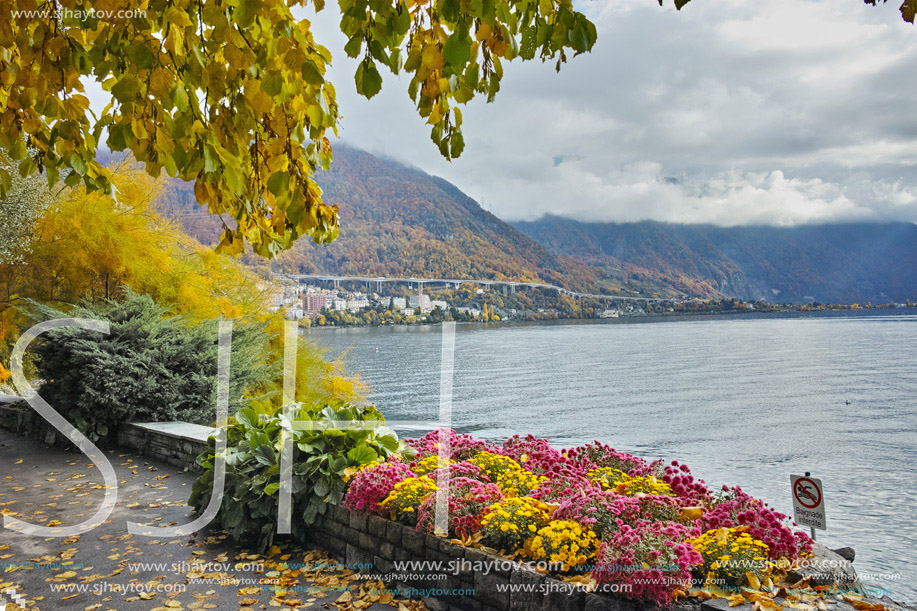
(150, 367)
(320, 458)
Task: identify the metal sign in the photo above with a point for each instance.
(808, 501)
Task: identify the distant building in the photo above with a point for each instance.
(294, 313)
(313, 303)
(407, 311)
(610, 314)
(355, 304)
(442, 305)
(399, 303)
(339, 304)
(420, 301)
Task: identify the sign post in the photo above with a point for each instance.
(808, 502)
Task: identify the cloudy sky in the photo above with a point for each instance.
(730, 112)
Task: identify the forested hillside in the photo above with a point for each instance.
(840, 263)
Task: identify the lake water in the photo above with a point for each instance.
(743, 400)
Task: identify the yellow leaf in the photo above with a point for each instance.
(431, 57)
(753, 581)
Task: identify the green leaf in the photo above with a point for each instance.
(368, 79)
(451, 9)
(389, 442)
(353, 46)
(245, 13)
(247, 417)
(210, 162)
(126, 89)
(362, 454)
(414, 58)
(457, 50)
(179, 97)
(313, 446)
(141, 55)
(116, 138)
(278, 183)
(321, 488)
(272, 84)
(311, 74)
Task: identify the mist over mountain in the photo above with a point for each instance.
(832, 263)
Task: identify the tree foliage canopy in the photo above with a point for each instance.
(87, 248)
(232, 95)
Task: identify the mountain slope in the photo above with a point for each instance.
(841, 263)
(399, 221)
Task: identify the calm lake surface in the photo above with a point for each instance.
(745, 399)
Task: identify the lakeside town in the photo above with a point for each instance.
(348, 305)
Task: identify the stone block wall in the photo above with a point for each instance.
(21, 419)
(447, 576)
(174, 443)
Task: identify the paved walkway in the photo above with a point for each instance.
(110, 569)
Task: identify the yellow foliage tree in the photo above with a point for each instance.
(233, 96)
(89, 245)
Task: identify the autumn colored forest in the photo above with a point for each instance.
(79, 248)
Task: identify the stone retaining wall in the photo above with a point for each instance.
(174, 443)
(21, 419)
(475, 580)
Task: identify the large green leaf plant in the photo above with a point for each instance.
(327, 442)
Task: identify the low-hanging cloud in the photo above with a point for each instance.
(769, 112)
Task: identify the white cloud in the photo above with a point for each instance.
(773, 111)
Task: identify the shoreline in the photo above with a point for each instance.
(649, 318)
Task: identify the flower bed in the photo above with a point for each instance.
(588, 515)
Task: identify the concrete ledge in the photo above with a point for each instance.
(179, 430)
(175, 443)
